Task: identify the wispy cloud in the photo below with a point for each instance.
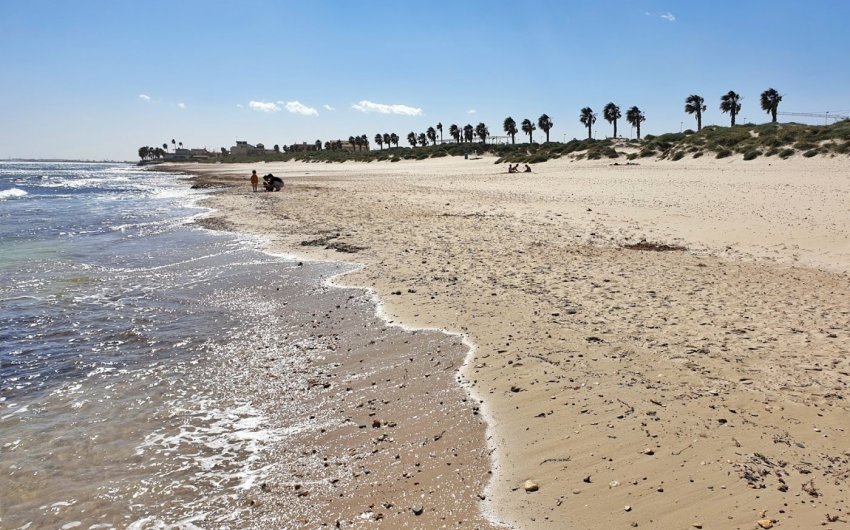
(296, 107)
(240, 106)
(144, 97)
(471, 111)
(328, 107)
(668, 16)
(382, 108)
(181, 105)
(263, 106)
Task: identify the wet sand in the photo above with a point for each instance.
(704, 387)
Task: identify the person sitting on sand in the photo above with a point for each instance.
(254, 180)
(272, 183)
(513, 168)
(527, 169)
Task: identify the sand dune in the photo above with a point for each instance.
(702, 388)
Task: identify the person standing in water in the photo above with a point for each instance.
(255, 180)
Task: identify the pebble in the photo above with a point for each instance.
(530, 486)
(417, 509)
(627, 508)
(765, 523)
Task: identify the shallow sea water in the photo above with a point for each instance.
(130, 344)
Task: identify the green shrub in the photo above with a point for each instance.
(647, 153)
(805, 146)
(678, 155)
(723, 153)
(773, 151)
(811, 152)
(752, 155)
(632, 156)
(698, 154)
(786, 153)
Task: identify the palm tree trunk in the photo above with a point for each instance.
(588, 132)
(773, 114)
(733, 118)
(615, 128)
(638, 130)
(513, 139)
(699, 121)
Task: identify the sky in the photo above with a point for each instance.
(98, 79)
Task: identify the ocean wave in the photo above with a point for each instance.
(13, 193)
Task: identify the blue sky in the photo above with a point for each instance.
(97, 80)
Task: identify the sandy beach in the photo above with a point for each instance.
(657, 345)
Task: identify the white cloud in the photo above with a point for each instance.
(328, 107)
(471, 111)
(263, 106)
(181, 105)
(381, 108)
(296, 107)
(240, 106)
(668, 16)
(144, 97)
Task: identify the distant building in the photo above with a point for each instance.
(244, 148)
(186, 155)
(303, 146)
(348, 146)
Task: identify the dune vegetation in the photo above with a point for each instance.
(747, 141)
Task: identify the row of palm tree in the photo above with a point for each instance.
(150, 153)
(730, 103)
(358, 142)
(389, 139)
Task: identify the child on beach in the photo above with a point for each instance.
(255, 180)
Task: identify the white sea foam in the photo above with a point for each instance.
(13, 193)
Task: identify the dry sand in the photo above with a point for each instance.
(704, 388)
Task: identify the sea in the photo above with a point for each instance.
(130, 342)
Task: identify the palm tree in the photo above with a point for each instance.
(411, 138)
(143, 152)
(510, 128)
(174, 143)
(482, 132)
(180, 144)
(432, 135)
(318, 145)
(611, 113)
(353, 142)
(276, 148)
(635, 116)
(379, 140)
(165, 147)
(387, 139)
(364, 141)
(423, 139)
(440, 128)
(731, 103)
(454, 132)
(394, 139)
(468, 131)
(588, 118)
(545, 123)
(528, 128)
(770, 99)
(695, 105)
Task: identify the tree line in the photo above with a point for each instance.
(730, 103)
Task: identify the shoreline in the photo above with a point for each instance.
(336, 282)
(549, 344)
